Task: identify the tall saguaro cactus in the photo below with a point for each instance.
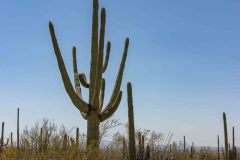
(92, 110)
(131, 128)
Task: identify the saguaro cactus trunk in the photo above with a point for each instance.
(92, 110)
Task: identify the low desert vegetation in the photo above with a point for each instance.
(47, 141)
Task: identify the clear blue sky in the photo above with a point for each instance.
(183, 62)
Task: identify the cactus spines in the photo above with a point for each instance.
(131, 130)
(218, 147)
(225, 136)
(92, 110)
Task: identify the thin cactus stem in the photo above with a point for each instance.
(218, 147)
(18, 135)
(77, 137)
(233, 142)
(225, 137)
(124, 147)
(184, 144)
(11, 139)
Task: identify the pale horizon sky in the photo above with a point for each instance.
(183, 63)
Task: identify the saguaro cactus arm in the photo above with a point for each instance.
(110, 110)
(80, 104)
(102, 95)
(83, 80)
(75, 71)
(76, 79)
(118, 81)
(107, 56)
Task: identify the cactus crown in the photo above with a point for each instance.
(98, 66)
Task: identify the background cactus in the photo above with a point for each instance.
(77, 137)
(233, 144)
(18, 134)
(218, 147)
(225, 137)
(11, 139)
(2, 137)
(18, 128)
(92, 111)
(131, 128)
(184, 144)
(124, 149)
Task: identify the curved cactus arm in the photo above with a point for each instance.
(107, 56)
(79, 103)
(98, 81)
(94, 50)
(110, 110)
(83, 80)
(75, 71)
(101, 98)
(120, 75)
(76, 79)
